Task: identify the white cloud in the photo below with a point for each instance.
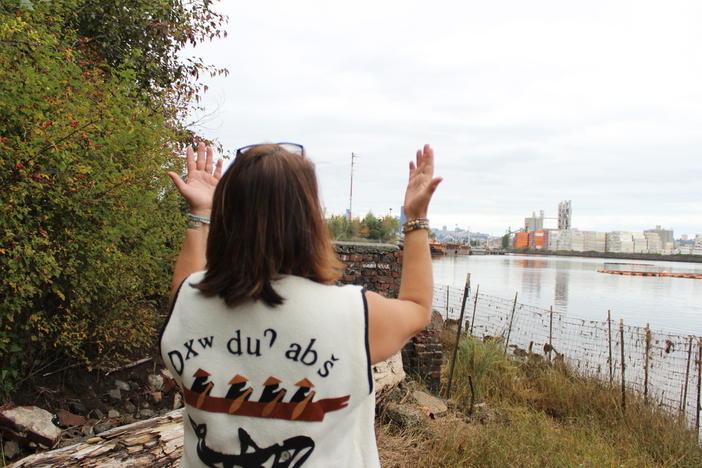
(527, 103)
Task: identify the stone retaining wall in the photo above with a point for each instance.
(377, 267)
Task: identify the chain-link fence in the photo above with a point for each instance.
(663, 368)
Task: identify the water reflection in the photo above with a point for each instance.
(572, 285)
(560, 297)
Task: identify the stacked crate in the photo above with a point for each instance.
(594, 241)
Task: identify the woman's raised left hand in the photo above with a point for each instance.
(201, 179)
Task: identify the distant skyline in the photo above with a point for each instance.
(526, 104)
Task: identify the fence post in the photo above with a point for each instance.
(550, 332)
(511, 319)
(448, 289)
(683, 401)
(466, 292)
(699, 381)
(621, 342)
(475, 306)
(646, 361)
(609, 333)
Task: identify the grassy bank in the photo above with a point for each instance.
(534, 414)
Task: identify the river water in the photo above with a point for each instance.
(573, 286)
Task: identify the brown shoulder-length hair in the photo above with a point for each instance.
(266, 220)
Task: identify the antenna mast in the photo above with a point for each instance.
(353, 157)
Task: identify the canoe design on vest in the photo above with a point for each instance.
(300, 407)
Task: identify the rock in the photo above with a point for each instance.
(168, 384)
(433, 404)
(96, 414)
(147, 413)
(156, 397)
(388, 373)
(88, 430)
(36, 422)
(404, 416)
(134, 385)
(485, 415)
(124, 386)
(68, 419)
(10, 449)
(437, 321)
(77, 407)
(177, 401)
(115, 394)
(129, 407)
(102, 427)
(113, 413)
(155, 382)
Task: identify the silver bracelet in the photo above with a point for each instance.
(414, 224)
(196, 223)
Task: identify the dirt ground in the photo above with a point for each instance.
(89, 402)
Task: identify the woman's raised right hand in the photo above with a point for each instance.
(421, 184)
(201, 179)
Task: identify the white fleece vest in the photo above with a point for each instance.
(287, 386)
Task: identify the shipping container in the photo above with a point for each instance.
(521, 240)
(537, 240)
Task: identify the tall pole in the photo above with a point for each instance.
(511, 319)
(475, 306)
(466, 293)
(609, 333)
(623, 363)
(353, 157)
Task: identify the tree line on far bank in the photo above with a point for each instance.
(370, 228)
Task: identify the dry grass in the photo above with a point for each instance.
(539, 415)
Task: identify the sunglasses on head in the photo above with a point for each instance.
(293, 148)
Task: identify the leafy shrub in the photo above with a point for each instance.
(89, 223)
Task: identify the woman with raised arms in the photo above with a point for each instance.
(274, 359)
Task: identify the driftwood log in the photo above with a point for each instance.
(158, 442)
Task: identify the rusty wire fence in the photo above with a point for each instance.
(663, 368)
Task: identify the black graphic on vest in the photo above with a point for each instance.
(302, 397)
(291, 453)
(237, 393)
(201, 385)
(271, 395)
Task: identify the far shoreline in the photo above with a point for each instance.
(611, 255)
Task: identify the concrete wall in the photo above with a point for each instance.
(377, 267)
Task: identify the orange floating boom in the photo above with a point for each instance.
(653, 273)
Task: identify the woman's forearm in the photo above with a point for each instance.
(192, 256)
(417, 282)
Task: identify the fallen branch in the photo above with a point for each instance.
(128, 366)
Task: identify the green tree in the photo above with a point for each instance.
(383, 229)
(505, 241)
(89, 223)
(373, 226)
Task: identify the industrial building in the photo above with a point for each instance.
(535, 237)
(565, 213)
(534, 223)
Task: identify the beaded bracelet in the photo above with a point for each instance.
(202, 219)
(195, 221)
(414, 224)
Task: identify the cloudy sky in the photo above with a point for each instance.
(526, 103)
